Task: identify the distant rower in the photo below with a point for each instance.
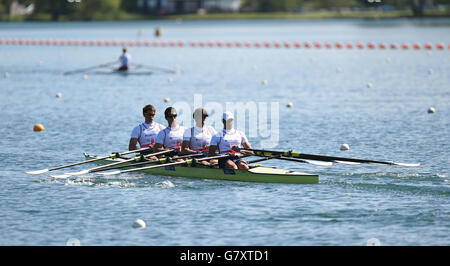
(124, 61)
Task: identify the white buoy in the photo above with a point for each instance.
(85, 76)
(338, 70)
(369, 85)
(59, 95)
(139, 224)
(289, 105)
(169, 79)
(429, 53)
(254, 68)
(373, 242)
(345, 147)
(265, 82)
(388, 60)
(430, 71)
(6, 75)
(431, 110)
(166, 100)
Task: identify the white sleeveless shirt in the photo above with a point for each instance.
(199, 137)
(228, 138)
(171, 137)
(146, 133)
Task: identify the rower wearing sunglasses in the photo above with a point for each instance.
(197, 138)
(145, 133)
(172, 136)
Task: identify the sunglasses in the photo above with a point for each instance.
(171, 116)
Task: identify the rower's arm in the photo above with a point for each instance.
(132, 144)
(158, 147)
(185, 148)
(248, 146)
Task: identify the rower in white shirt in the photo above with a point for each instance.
(145, 133)
(197, 138)
(227, 142)
(172, 136)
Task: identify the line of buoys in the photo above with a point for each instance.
(219, 44)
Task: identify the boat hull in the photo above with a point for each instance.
(256, 174)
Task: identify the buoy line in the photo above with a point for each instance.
(228, 44)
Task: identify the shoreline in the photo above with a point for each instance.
(316, 15)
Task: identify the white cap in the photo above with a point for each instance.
(227, 116)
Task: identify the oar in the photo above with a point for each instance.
(89, 68)
(162, 160)
(96, 169)
(292, 160)
(187, 162)
(304, 156)
(112, 156)
(262, 159)
(319, 163)
(155, 68)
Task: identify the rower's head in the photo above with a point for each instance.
(200, 115)
(124, 50)
(228, 120)
(171, 116)
(149, 112)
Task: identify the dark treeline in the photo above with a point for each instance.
(114, 9)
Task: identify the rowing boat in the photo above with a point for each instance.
(254, 174)
(124, 73)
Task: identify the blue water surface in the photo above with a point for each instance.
(333, 104)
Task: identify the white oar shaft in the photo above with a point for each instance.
(83, 162)
(163, 165)
(98, 168)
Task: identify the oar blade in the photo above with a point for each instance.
(83, 172)
(37, 172)
(347, 162)
(407, 164)
(61, 176)
(319, 163)
(117, 172)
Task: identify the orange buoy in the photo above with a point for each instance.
(38, 127)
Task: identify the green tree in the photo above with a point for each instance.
(99, 9)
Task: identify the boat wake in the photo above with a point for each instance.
(132, 181)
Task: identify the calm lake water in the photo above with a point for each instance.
(332, 105)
